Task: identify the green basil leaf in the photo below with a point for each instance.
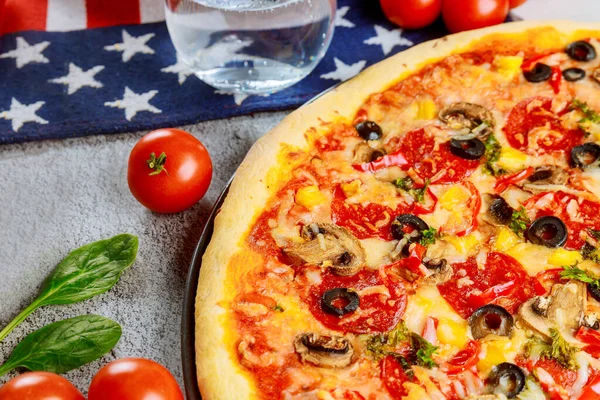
(90, 270)
(65, 345)
(86, 272)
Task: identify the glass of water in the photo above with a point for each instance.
(251, 46)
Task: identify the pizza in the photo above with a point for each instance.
(428, 230)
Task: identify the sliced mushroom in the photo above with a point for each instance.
(364, 153)
(463, 115)
(567, 303)
(544, 176)
(596, 74)
(442, 271)
(590, 321)
(331, 246)
(324, 351)
(498, 212)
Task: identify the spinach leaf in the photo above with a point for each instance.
(86, 272)
(65, 345)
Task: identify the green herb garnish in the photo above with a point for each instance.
(492, 154)
(385, 344)
(405, 183)
(518, 221)
(428, 236)
(589, 116)
(560, 351)
(408, 185)
(578, 274)
(424, 351)
(278, 308)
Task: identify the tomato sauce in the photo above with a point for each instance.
(381, 312)
(500, 269)
(419, 150)
(525, 118)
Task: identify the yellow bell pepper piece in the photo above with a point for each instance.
(454, 197)
(512, 160)
(508, 66)
(350, 189)
(562, 257)
(310, 197)
(452, 332)
(505, 239)
(426, 109)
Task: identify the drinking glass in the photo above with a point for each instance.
(251, 46)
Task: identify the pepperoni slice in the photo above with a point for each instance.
(380, 308)
(577, 214)
(393, 377)
(420, 151)
(528, 116)
(470, 285)
(364, 221)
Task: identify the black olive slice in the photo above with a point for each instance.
(470, 149)
(540, 174)
(403, 221)
(581, 51)
(573, 74)
(490, 319)
(539, 73)
(506, 378)
(585, 154)
(369, 130)
(350, 298)
(548, 231)
(500, 211)
(594, 291)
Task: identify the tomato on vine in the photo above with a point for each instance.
(412, 14)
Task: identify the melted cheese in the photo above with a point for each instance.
(427, 301)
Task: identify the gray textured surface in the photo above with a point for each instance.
(58, 195)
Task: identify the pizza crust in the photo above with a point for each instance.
(219, 373)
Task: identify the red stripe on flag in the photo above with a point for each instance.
(112, 12)
(19, 15)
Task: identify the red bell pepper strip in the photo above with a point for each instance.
(475, 206)
(414, 259)
(395, 159)
(530, 62)
(591, 338)
(549, 275)
(504, 182)
(430, 330)
(591, 391)
(420, 209)
(492, 293)
(464, 359)
(555, 79)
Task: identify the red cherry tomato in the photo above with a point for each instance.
(134, 379)
(169, 170)
(516, 3)
(412, 14)
(39, 386)
(464, 15)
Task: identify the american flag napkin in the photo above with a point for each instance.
(80, 67)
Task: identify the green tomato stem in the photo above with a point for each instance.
(18, 319)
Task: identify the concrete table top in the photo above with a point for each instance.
(56, 196)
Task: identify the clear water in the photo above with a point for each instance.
(251, 46)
